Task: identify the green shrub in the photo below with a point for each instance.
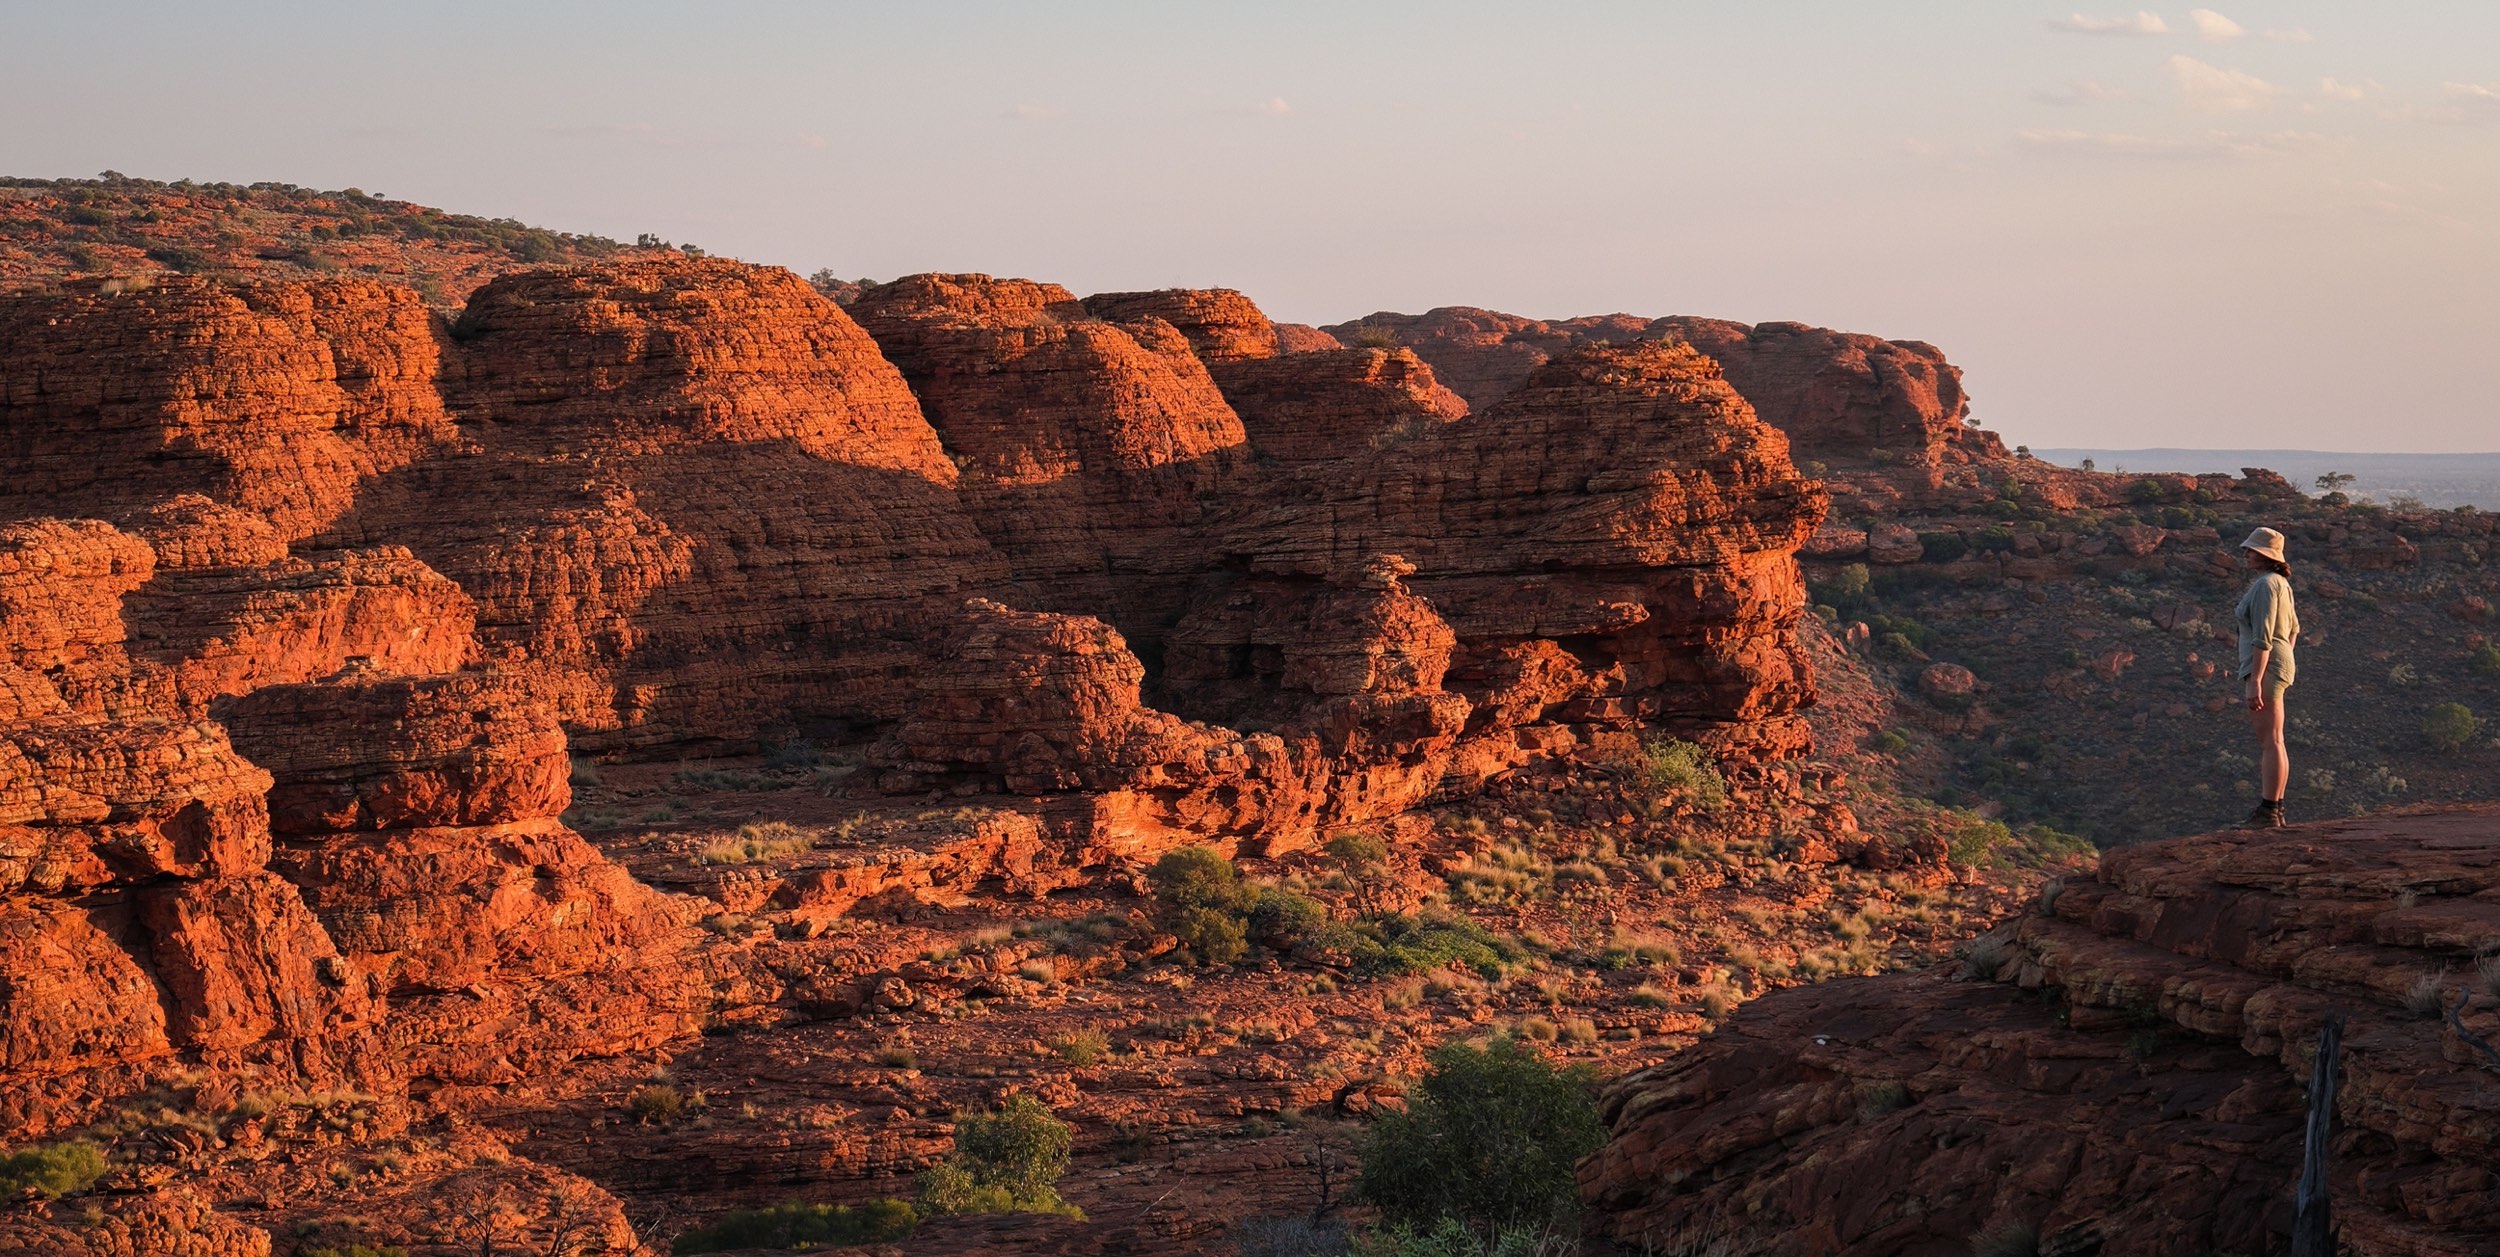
(1398, 943)
(381, 1250)
(1210, 936)
(2451, 727)
(1007, 1161)
(1283, 920)
(1888, 742)
(1199, 877)
(1203, 900)
(53, 1170)
(1357, 852)
(1685, 768)
(2486, 661)
(1847, 587)
(1489, 1137)
(795, 1225)
(1975, 844)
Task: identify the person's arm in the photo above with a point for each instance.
(2256, 688)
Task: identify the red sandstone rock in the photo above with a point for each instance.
(278, 399)
(1221, 324)
(2151, 1104)
(1946, 681)
(1333, 403)
(1894, 544)
(1088, 446)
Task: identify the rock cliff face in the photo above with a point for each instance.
(309, 597)
(1890, 411)
(2131, 1081)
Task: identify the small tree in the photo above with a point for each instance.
(1490, 1136)
(2451, 727)
(2335, 481)
(1204, 902)
(1006, 1161)
(1364, 860)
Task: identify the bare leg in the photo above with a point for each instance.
(2274, 760)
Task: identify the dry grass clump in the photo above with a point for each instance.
(1507, 873)
(2428, 995)
(1635, 948)
(765, 840)
(1080, 1047)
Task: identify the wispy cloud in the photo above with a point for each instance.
(1273, 106)
(2293, 35)
(2145, 22)
(2080, 92)
(2216, 90)
(2458, 103)
(2336, 89)
(2213, 145)
(2473, 102)
(2214, 27)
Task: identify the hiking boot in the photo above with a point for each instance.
(2267, 816)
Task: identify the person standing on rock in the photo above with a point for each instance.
(2268, 629)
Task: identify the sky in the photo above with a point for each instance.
(2270, 225)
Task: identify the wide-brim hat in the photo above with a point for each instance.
(2267, 542)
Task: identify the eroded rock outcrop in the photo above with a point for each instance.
(1889, 413)
(1148, 565)
(2133, 1080)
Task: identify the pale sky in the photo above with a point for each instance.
(2272, 225)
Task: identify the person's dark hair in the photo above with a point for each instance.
(2272, 564)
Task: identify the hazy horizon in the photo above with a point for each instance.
(2270, 225)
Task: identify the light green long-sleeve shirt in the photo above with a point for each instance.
(2268, 623)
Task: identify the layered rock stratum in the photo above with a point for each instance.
(2120, 1070)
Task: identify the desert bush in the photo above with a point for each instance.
(766, 840)
(1888, 742)
(2485, 661)
(1630, 948)
(1685, 768)
(1079, 1047)
(1005, 1161)
(792, 1224)
(1846, 589)
(1489, 1137)
(1402, 943)
(2451, 727)
(2403, 676)
(658, 1104)
(52, 1170)
(1282, 920)
(369, 1250)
